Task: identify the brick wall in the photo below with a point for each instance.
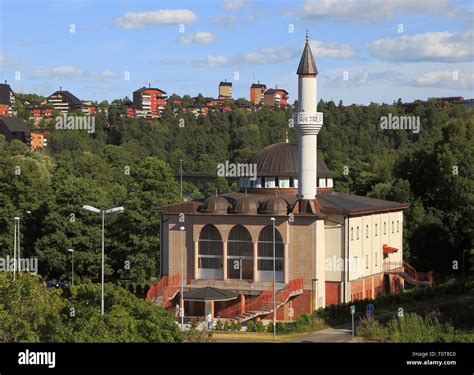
(333, 293)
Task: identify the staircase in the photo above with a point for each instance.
(263, 304)
(409, 274)
(164, 291)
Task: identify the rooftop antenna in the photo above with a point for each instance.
(149, 85)
(60, 88)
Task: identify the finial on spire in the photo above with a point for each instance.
(307, 35)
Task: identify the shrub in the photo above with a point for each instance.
(251, 327)
(259, 327)
(219, 325)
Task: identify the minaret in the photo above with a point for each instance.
(308, 122)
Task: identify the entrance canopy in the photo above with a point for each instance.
(209, 293)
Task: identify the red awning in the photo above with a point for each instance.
(389, 250)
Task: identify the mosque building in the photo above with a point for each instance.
(329, 247)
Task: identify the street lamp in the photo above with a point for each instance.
(72, 265)
(274, 280)
(117, 210)
(181, 177)
(16, 244)
(181, 310)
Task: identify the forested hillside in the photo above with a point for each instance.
(133, 163)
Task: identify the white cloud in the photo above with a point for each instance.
(214, 61)
(139, 20)
(59, 72)
(234, 5)
(201, 37)
(269, 55)
(375, 10)
(435, 46)
(446, 79)
(107, 74)
(223, 20)
(321, 49)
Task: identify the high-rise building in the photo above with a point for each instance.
(225, 90)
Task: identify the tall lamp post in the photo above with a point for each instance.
(72, 265)
(181, 177)
(274, 280)
(117, 210)
(16, 243)
(181, 302)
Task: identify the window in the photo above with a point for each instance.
(366, 262)
(210, 248)
(376, 259)
(265, 250)
(376, 230)
(366, 231)
(357, 232)
(393, 227)
(352, 234)
(398, 226)
(239, 254)
(384, 227)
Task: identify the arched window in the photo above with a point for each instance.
(265, 255)
(357, 232)
(239, 254)
(352, 233)
(393, 227)
(384, 227)
(366, 231)
(376, 230)
(210, 254)
(398, 226)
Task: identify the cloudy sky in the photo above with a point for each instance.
(365, 50)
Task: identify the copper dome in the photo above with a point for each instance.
(275, 206)
(246, 206)
(281, 160)
(215, 205)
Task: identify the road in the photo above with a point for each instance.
(340, 333)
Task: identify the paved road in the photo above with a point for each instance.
(340, 333)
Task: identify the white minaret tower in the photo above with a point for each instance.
(308, 122)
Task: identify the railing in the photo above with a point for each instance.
(157, 289)
(399, 267)
(166, 287)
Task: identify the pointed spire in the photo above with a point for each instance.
(307, 65)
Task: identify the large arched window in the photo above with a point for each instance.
(239, 254)
(210, 253)
(265, 255)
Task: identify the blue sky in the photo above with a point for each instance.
(432, 55)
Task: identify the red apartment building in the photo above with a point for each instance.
(275, 97)
(149, 102)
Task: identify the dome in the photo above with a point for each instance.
(281, 160)
(246, 206)
(215, 205)
(275, 206)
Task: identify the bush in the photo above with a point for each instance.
(372, 329)
(219, 325)
(227, 326)
(259, 327)
(251, 327)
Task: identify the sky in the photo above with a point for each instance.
(366, 51)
